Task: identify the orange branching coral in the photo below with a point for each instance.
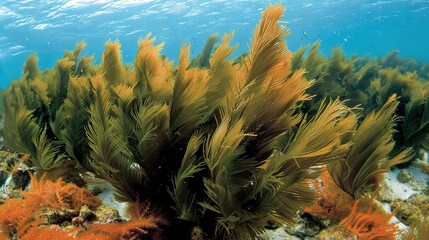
(113, 231)
(122, 231)
(332, 202)
(25, 218)
(37, 231)
(144, 210)
(3, 236)
(370, 224)
(361, 217)
(58, 195)
(17, 216)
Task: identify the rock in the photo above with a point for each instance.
(423, 155)
(422, 161)
(385, 194)
(61, 216)
(21, 179)
(105, 214)
(406, 212)
(335, 233)
(421, 201)
(278, 234)
(86, 213)
(307, 227)
(77, 221)
(197, 234)
(3, 177)
(14, 173)
(405, 176)
(55, 227)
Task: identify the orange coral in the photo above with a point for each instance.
(3, 236)
(370, 224)
(332, 202)
(362, 217)
(112, 231)
(36, 231)
(58, 195)
(24, 219)
(17, 216)
(122, 231)
(143, 210)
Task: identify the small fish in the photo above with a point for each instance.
(304, 33)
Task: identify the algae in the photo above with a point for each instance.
(219, 147)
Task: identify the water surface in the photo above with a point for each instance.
(48, 27)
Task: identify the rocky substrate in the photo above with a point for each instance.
(404, 191)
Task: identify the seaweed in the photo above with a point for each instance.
(203, 59)
(368, 83)
(213, 144)
(362, 169)
(418, 230)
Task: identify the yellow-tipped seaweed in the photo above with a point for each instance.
(213, 144)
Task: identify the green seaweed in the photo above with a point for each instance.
(368, 83)
(368, 159)
(203, 59)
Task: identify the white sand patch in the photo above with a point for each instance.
(405, 190)
(278, 234)
(107, 197)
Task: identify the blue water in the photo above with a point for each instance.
(48, 27)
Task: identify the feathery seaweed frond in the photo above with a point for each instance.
(203, 59)
(31, 69)
(40, 89)
(153, 73)
(112, 64)
(58, 83)
(20, 125)
(123, 112)
(318, 142)
(416, 123)
(368, 158)
(220, 77)
(269, 93)
(313, 63)
(184, 198)
(150, 134)
(390, 82)
(72, 118)
(243, 191)
(267, 46)
(110, 155)
(188, 105)
(418, 230)
(81, 64)
(48, 155)
(297, 58)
